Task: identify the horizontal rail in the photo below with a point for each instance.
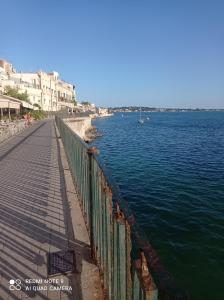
(129, 266)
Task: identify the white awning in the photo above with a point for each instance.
(6, 102)
(27, 105)
(9, 103)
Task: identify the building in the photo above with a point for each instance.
(45, 89)
(85, 107)
(7, 66)
(102, 111)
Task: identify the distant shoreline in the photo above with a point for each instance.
(147, 109)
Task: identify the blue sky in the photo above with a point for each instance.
(135, 52)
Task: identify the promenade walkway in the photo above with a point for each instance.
(38, 215)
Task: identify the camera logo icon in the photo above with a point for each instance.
(15, 284)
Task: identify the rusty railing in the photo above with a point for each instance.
(129, 266)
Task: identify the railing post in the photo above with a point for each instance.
(91, 151)
(121, 258)
(143, 284)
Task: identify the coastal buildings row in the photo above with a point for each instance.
(45, 89)
(92, 110)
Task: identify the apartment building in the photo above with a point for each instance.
(7, 66)
(44, 89)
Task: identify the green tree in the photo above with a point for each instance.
(9, 91)
(85, 103)
(12, 92)
(74, 101)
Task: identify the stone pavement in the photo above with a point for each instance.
(39, 213)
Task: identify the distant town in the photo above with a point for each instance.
(154, 109)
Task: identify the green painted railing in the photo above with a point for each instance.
(129, 266)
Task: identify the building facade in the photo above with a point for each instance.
(45, 89)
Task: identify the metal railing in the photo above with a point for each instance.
(129, 266)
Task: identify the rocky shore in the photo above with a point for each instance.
(83, 128)
(91, 134)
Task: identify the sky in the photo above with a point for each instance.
(155, 53)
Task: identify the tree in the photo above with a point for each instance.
(85, 103)
(12, 92)
(9, 91)
(74, 101)
(24, 97)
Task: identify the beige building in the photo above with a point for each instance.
(44, 89)
(7, 66)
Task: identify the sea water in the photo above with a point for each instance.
(171, 172)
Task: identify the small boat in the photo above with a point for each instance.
(141, 121)
(147, 118)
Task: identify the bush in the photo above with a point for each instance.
(37, 114)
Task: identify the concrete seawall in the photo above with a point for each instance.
(80, 126)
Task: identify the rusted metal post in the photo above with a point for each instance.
(147, 287)
(91, 151)
(122, 256)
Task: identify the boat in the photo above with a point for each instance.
(141, 121)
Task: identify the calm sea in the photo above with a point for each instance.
(171, 172)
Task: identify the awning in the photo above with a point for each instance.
(8, 102)
(27, 105)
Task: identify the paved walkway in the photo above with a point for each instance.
(35, 216)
